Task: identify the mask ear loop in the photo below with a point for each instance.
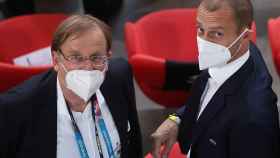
(238, 38)
(62, 65)
(106, 67)
(236, 52)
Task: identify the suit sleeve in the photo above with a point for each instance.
(135, 138)
(180, 111)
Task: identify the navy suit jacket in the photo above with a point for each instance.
(240, 121)
(28, 114)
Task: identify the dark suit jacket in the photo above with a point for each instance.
(240, 121)
(28, 114)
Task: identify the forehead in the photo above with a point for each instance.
(222, 17)
(86, 42)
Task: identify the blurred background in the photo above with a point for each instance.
(117, 12)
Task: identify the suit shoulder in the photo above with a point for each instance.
(259, 83)
(119, 64)
(119, 68)
(260, 102)
(24, 92)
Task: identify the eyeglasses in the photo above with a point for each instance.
(96, 60)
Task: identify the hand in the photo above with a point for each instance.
(165, 135)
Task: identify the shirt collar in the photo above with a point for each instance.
(61, 103)
(222, 73)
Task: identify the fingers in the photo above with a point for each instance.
(167, 148)
(165, 135)
(157, 142)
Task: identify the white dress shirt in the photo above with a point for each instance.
(218, 76)
(66, 142)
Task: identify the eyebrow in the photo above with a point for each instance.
(216, 28)
(74, 52)
(212, 28)
(97, 53)
(77, 53)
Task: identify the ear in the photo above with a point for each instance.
(109, 54)
(248, 35)
(55, 60)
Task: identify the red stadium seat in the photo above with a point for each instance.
(254, 34)
(22, 35)
(174, 153)
(155, 39)
(274, 39)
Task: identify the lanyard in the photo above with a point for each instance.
(101, 123)
(98, 119)
(78, 136)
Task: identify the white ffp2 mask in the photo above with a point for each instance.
(213, 54)
(84, 83)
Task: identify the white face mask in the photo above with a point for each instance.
(213, 54)
(84, 83)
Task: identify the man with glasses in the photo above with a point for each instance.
(82, 108)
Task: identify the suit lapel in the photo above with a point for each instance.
(217, 103)
(197, 93)
(45, 118)
(113, 101)
(194, 102)
(214, 106)
(189, 117)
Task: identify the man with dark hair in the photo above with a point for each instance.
(241, 10)
(232, 111)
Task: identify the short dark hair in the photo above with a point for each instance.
(77, 24)
(242, 10)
